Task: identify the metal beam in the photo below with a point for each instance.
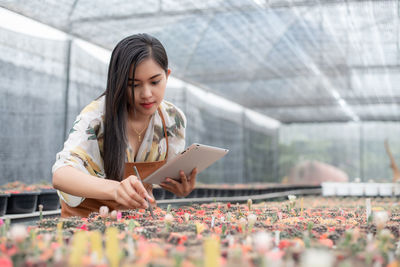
(265, 74)
(293, 120)
(327, 102)
(196, 11)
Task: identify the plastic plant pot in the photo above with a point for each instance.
(209, 192)
(371, 189)
(220, 192)
(169, 195)
(356, 189)
(238, 192)
(343, 189)
(24, 202)
(159, 193)
(385, 189)
(244, 192)
(3, 203)
(328, 189)
(396, 189)
(226, 193)
(49, 199)
(192, 194)
(200, 192)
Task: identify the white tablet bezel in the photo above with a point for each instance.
(195, 156)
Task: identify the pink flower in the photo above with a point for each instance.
(326, 242)
(5, 262)
(83, 227)
(275, 254)
(201, 212)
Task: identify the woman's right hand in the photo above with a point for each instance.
(131, 194)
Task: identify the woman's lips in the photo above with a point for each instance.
(147, 105)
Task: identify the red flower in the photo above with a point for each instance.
(228, 205)
(324, 236)
(284, 244)
(200, 212)
(182, 240)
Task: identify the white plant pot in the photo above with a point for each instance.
(328, 189)
(356, 189)
(385, 189)
(371, 189)
(396, 189)
(343, 189)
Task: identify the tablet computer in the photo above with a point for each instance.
(195, 156)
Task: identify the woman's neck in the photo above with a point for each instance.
(134, 117)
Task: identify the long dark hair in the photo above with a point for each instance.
(130, 51)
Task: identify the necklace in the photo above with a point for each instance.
(139, 134)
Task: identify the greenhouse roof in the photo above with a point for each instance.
(293, 60)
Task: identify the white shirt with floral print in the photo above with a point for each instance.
(83, 149)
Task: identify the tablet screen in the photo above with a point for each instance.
(195, 156)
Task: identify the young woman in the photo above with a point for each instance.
(129, 125)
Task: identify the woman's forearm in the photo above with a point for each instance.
(75, 182)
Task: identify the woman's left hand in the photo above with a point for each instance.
(183, 187)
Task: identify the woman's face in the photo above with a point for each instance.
(149, 86)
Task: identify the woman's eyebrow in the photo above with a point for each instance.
(152, 77)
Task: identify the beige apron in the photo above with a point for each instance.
(92, 205)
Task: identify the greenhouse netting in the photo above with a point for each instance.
(278, 83)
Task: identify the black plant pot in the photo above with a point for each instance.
(201, 192)
(158, 193)
(169, 195)
(22, 202)
(49, 199)
(3, 203)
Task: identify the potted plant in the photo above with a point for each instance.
(48, 196)
(385, 189)
(22, 198)
(356, 189)
(328, 189)
(371, 189)
(3, 202)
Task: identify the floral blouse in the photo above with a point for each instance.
(83, 149)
